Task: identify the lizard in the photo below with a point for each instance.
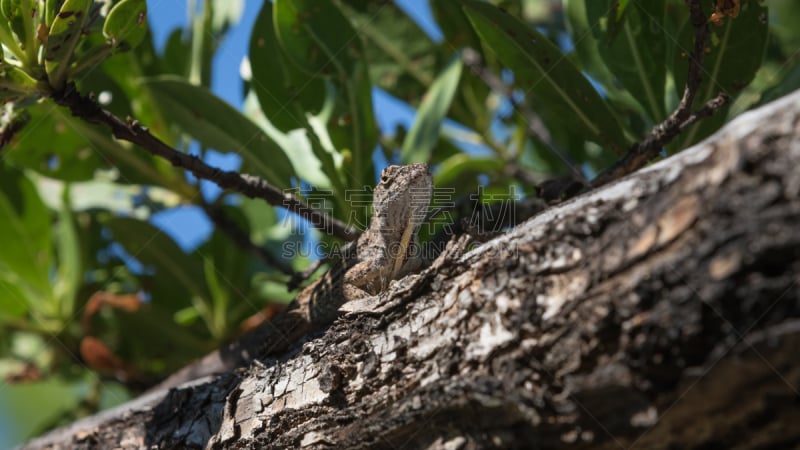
(386, 251)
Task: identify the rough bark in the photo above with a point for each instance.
(661, 311)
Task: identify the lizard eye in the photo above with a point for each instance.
(388, 174)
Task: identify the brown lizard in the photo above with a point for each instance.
(386, 251)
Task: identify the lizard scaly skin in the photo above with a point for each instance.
(386, 251)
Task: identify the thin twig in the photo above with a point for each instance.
(468, 214)
(533, 122)
(14, 125)
(707, 110)
(300, 277)
(513, 169)
(643, 152)
(250, 185)
(229, 227)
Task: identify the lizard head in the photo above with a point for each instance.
(402, 197)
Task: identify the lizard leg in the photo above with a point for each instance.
(370, 277)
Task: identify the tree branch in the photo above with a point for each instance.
(252, 186)
(643, 152)
(533, 122)
(241, 239)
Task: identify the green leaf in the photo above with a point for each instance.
(225, 267)
(616, 15)
(62, 395)
(402, 58)
(99, 194)
(186, 316)
(115, 99)
(8, 38)
(218, 125)
(788, 82)
(588, 41)
(461, 169)
(19, 15)
(226, 14)
(15, 84)
(424, 133)
(733, 56)
(164, 347)
(177, 53)
(203, 37)
(84, 148)
(126, 24)
(69, 275)
(586, 47)
(156, 250)
(259, 219)
(317, 37)
(53, 145)
(51, 8)
(284, 92)
(63, 37)
(470, 106)
(25, 259)
(783, 20)
(231, 268)
(635, 51)
(541, 70)
(359, 122)
(14, 300)
(127, 69)
(455, 25)
(308, 163)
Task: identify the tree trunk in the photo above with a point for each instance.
(660, 311)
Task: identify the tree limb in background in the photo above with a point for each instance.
(250, 185)
(533, 122)
(642, 153)
(242, 240)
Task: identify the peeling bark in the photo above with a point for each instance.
(661, 311)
